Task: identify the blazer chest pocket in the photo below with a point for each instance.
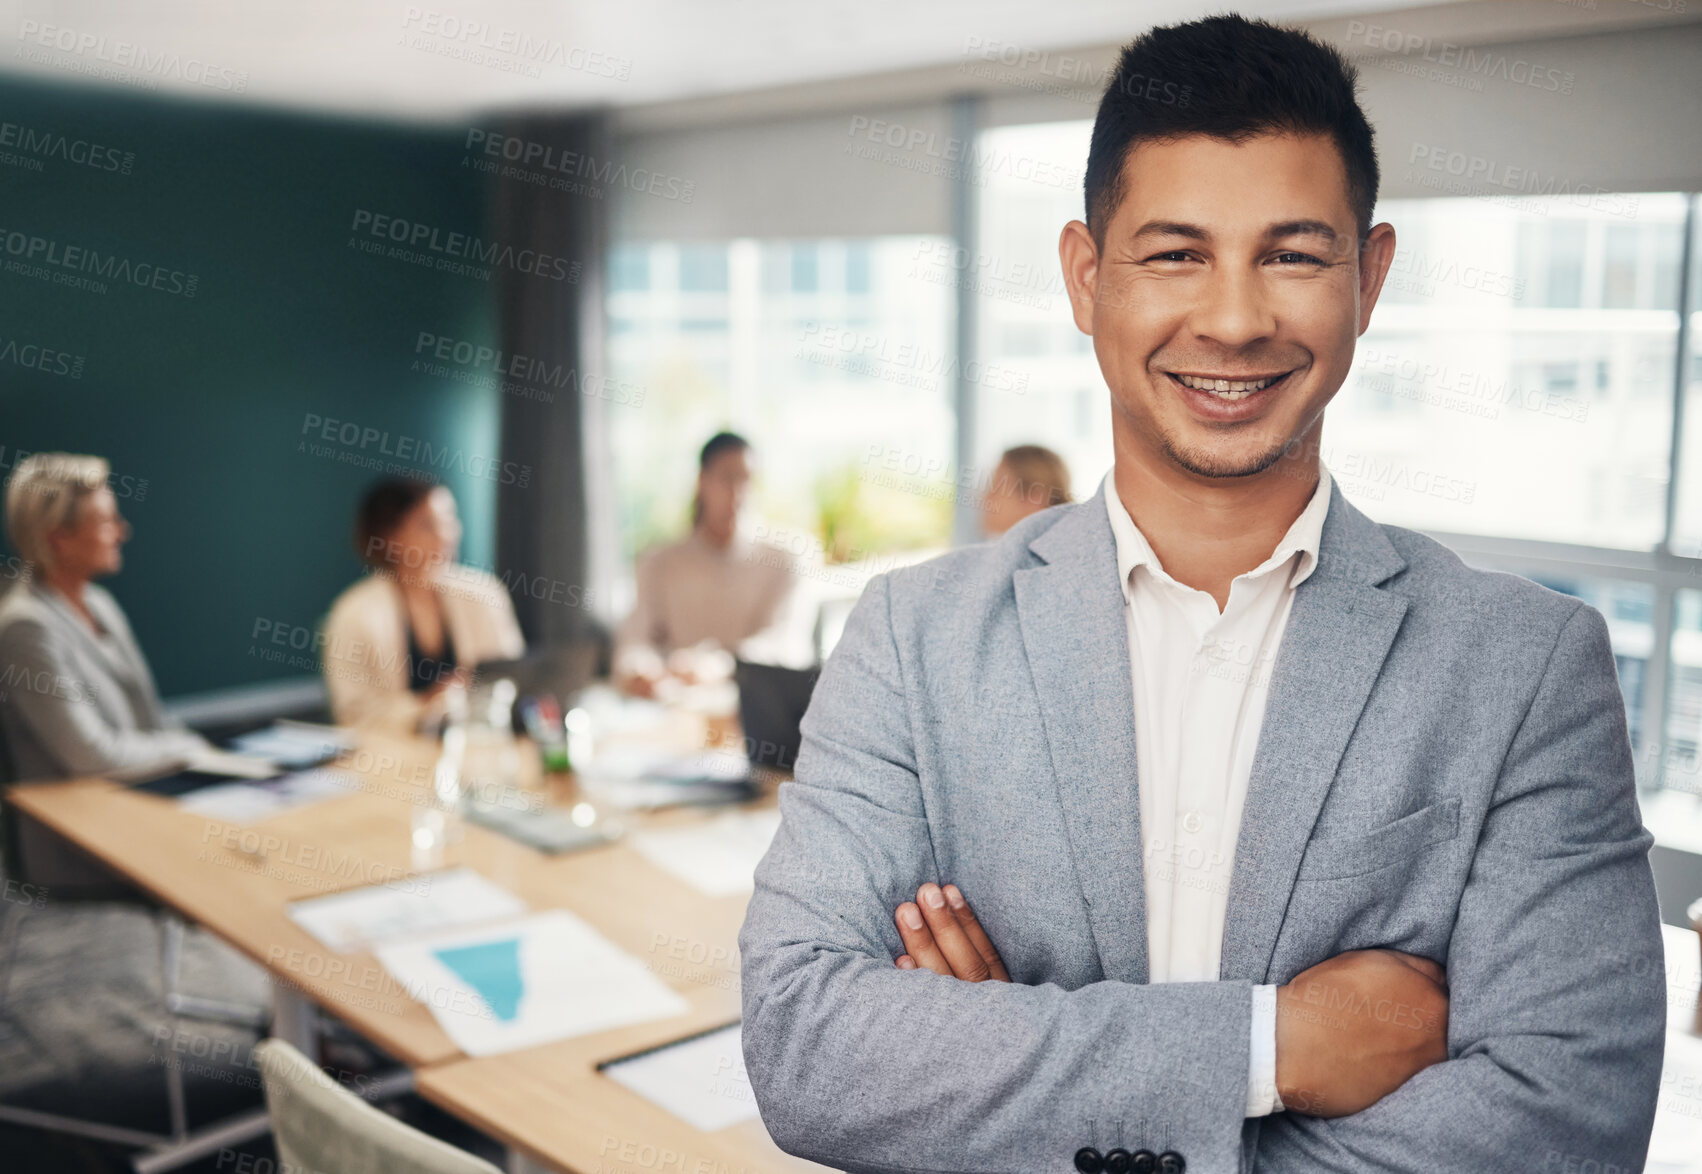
(1335, 857)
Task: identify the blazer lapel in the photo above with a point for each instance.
(1076, 638)
(1339, 632)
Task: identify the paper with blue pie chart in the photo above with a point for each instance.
(493, 970)
(527, 981)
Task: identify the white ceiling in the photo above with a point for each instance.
(389, 58)
(411, 60)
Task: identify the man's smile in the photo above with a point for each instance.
(1229, 387)
(1227, 382)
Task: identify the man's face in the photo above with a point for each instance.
(721, 488)
(1227, 296)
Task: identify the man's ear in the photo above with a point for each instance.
(1376, 254)
(1080, 258)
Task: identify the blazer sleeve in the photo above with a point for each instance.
(58, 707)
(1557, 1008)
(112, 615)
(864, 1067)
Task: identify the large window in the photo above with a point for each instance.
(1514, 396)
(827, 354)
(1023, 315)
(1687, 525)
(1684, 711)
(1517, 377)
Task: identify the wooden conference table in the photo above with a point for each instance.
(548, 1104)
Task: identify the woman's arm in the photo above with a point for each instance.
(59, 707)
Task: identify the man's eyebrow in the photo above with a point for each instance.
(1195, 232)
(1172, 228)
(1302, 228)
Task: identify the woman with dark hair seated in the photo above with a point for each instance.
(400, 640)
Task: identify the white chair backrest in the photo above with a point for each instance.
(321, 1128)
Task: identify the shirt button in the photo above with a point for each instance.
(1192, 822)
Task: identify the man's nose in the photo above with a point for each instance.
(1234, 310)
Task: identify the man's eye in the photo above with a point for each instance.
(1299, 259)
(1177, 256)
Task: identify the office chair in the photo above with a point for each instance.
(159, 1152)
(318, 1125)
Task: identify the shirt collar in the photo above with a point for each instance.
(1303, 536)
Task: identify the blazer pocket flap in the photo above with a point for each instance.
(1340, 856)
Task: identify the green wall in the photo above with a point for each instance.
(205, 398)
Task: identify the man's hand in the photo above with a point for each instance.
(639, 684)
(1354, 1028)
(1349, 1031)
(941, 934)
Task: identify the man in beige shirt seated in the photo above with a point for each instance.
(701, 597)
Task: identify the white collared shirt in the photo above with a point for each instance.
(1201, 679)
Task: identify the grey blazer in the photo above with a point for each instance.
(73, 705)
(1443, 769)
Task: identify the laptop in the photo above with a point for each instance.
(558, 672)
(772, 701)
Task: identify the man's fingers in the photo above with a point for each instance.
(919, 941)
(965, 960)
(977, 936)
(941, 934)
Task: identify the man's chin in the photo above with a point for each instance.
(1221, 462)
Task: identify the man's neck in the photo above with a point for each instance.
(715, 540)
(1206, 531)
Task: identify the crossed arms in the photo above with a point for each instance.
(866, 1066)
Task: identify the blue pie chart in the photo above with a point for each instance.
(493, 970)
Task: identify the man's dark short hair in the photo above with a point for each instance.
(1233, 79)
(719, 443)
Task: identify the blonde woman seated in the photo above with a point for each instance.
(77, 697)
(1029, 478)
(402, 640)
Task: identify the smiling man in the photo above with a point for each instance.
(1208, 825)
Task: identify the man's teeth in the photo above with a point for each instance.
(1227, 388)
